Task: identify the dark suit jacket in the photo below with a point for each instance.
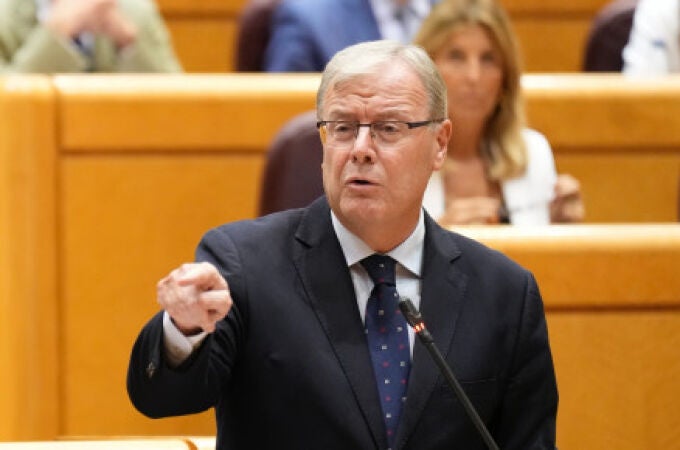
(305, 34)
(289, 367)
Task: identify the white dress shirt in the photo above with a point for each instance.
(386, 14)
(409, 257)
(654, 44)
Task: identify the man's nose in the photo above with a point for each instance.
(364, 145)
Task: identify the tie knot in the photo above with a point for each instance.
(380, 268)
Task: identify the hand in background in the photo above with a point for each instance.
(195, 296)
(120, 29)
(69, 18)
(567, 206)
(472, 210)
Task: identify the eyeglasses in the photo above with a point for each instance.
(385, 132)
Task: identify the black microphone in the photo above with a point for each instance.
(414, 318)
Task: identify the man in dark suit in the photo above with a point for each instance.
(305, 34)
(274, 325)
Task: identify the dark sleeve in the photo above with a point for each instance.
(158, 390)
(529, 408)
(292, 46)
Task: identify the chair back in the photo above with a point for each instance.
(292, 174)
(608, 36)
(254, 30)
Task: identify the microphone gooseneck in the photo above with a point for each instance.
(415, 320)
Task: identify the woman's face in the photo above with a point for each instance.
(472, 68)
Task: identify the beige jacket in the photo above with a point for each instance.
(28, 47)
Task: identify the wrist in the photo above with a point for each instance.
(186, 330)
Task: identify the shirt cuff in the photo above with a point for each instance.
(178, 347)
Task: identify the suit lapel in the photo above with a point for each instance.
(322, 268)
(442, 295)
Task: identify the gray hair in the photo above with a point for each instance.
(367, 57)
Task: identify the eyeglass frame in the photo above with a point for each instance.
(410, 125)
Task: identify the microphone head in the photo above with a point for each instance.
(409, 311)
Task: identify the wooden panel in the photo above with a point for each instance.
(203, 32)
(608, 111)
(203, 44)
(595, 266)
(28, 278)
(180, 112)
(552, 34)
(542, 7)
(103, 444)
(640, 186)
(126, 222)
(597, 124)
(244, 110)
(613, 305)
(201, 7)
(177, 155)
(619, 136)
(552, 44)
(618, 374)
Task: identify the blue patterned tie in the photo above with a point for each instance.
(387, 335)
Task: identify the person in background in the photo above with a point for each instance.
(496, 169)
(67, 36)
(654, 44)
(288, 325)
(305, 34)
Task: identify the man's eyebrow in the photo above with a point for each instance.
(339, 114)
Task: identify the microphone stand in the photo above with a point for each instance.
(415, 320)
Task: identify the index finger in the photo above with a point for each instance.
(204, 275)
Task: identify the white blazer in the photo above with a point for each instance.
(527, 197)
(653, 47)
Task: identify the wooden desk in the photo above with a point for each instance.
(203, 32)
(107, 183)
(552, 35)
(619, 136)
(103, 444)
(147, 165)
(612, 295)
(29, 308)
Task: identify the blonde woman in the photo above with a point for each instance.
(497, 170)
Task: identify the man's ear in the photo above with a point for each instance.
(442, 139)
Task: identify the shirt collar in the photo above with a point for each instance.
(409, 253)
(383, 9)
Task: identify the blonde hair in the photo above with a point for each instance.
(503, 146)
